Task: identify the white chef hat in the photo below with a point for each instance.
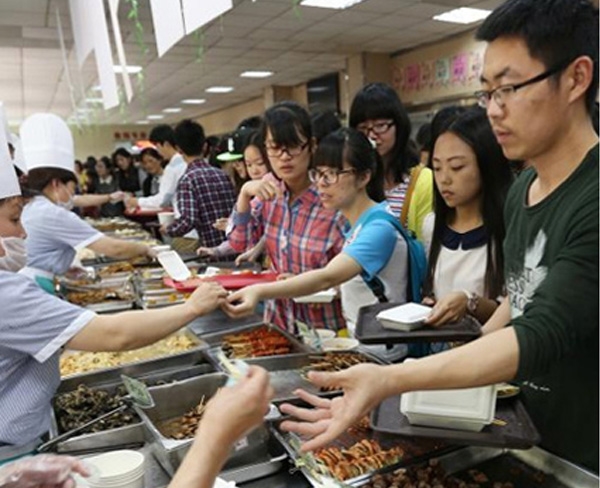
(47, 142)
(18, 159)
(9, 184)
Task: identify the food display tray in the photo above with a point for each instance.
(217, 339)
(173, 401)
(288, 373)
(370, 331)
(218, 322)
(152, 364)
(415, 451)
(533, 468)
(125, 436)
(516, 429)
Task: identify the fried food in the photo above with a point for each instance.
(184, 427)
(256, 343)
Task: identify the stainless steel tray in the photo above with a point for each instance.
(111, 306)
(123, 436)
(217, 339)
(154, 364)
(173, 401)
(218, 322)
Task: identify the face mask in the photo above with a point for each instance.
(15, 256)
(68, 205)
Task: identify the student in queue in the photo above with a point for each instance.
(378, 113)
(153, 164)
(540, 81)
(55, 233)
(464, 236)
(163, 139)
(125, 171)
(348, 176)
(230, 414)
(300, 233)
(35, 326)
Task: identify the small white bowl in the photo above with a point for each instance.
(325, 334)
(340, 344)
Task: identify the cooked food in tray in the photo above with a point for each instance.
(183, 427)
(332, 362)
(362, 457)
(82, 362)
(256, 343)
(110, 269)
(112, 224)
(78, 407)
(91, 297)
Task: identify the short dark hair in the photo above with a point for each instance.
(324, 123)
(555, 32)
(189, 137)
(380, 101)
(40, 178)
(252, 122)
(150, 151)
(423, 137)
(288, 123)
(351, 146)
(162, 134)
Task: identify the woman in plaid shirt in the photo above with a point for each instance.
(300, 233)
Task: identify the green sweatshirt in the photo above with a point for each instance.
(551, 264)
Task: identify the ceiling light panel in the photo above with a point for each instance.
(463, 15)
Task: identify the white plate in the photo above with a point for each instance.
(339, 344)
(325, 296)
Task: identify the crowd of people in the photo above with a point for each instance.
(500, 198)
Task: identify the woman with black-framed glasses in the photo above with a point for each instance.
(378, 113)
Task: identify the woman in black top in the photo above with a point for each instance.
(126, 172)
(107, 183)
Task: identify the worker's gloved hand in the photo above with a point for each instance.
(45, 470)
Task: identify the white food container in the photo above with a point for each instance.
(405, 317)
(468, 409)
(325, 296)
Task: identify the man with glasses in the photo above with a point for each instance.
(540, 82)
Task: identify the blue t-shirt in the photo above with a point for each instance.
(380, 251)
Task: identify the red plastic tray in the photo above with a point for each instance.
(227, 281)
(139, 212)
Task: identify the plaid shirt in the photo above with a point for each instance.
(204, 194)
(300, 236)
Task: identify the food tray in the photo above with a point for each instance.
(227, 281)
(123, 436)
(414, 450)
(111, 306)
(521, 468)
(218, 322)
(288, 373)
(370, 331)
(172, 401)
(197, 345)
(518, 433)
(217, 339)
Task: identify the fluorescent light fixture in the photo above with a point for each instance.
(132, 70)
(94, 100)
(256, 74)
(155, 117)
(172, 110)
(339, 4)
(219, 89)
(463, 15)
(194, 101)
(142, 122)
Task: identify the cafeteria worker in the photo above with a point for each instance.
(55, 234)
(35, 326)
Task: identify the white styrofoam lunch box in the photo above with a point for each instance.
(405, 317)
(468, 409)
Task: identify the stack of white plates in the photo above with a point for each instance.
(118, 469)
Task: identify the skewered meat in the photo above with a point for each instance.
(256, 343)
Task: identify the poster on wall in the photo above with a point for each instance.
(442, 72)
(398, 78)
(412, 76)
(459, 68)
(427, 71)
(475, 66)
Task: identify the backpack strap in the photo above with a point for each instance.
(414, 176)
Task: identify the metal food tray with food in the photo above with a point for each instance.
(533, 468)
(514, 428)
(370, 331)
(155, 362)
(288, 373)
(174, 400)
(414, 451)
(216, 340)
(132, 434)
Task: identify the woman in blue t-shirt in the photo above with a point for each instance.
(348, 174)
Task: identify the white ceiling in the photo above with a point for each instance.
(298, 44)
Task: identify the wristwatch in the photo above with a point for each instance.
(472, 301)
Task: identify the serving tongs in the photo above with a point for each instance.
(47, 446)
